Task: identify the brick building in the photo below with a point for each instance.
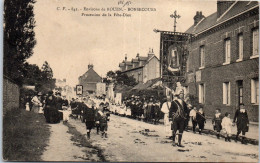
(142, 68)
(223, 65)
(89, 81)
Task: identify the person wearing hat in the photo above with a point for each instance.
(59, 102)
(242, 122)
(177, 115)
(150, 108)
(50, 111)
(36, 103)
(88, 116)
(157, 111)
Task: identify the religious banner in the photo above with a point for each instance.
(173, 56)
(79, 89)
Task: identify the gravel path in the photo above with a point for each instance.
(61, 147)
(128, 141)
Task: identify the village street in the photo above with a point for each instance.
(132, 140)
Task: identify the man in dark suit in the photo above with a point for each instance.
(177, 115)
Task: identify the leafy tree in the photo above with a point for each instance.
(122, 79)
(47, 71)
(19, 37)
(111, 74)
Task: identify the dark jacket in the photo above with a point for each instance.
(242, 120)
(174, 110)
(200, 117)
(59, 102)
(88, 113)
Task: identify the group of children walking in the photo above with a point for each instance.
(96, 117)
(222, 123)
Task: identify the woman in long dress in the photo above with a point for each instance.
(36, 103)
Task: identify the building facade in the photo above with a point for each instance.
(142, 68)
(223, 65)
(89, 81)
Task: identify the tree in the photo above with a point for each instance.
(19, 37)
(40, 78)
(111, 74)
(47, 71)
(120, 78)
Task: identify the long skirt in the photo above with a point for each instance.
(41, 110)
(35, 109)
(53, 116)
(27, 106)
(167, 125)
(66, 115)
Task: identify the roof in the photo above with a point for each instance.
(133, 68)
(128, 63)
(141, 58)
(135, 60)
(148, 84)
(150, 59)
(90, 76)
(211, 20)
(121, 64)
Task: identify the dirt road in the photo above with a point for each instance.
(132, 140)
(63, 146)
(128, 141)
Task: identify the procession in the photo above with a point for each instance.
(176, 114)
(170, 82)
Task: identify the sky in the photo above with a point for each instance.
(69, 41)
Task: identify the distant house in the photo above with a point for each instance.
(89, 81)
(142, 68)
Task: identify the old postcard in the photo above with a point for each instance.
(131, 80)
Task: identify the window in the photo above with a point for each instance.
(227, 51)
(202, 56)
(255, 42)
(255, 91)
(240, 47)
(201, 94)
(240, 91)
(226, 93)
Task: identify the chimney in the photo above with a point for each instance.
(150, 54)
(222, 6)
(90, 66)
(198, 17)
(137, 55)
(125, 57)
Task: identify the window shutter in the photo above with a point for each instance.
(199, 93)
(224, 94)
(228, 51)
(228, 94)
(240, 47)
(200, 57)
(257, 91)
(253, 99)
(203, 94)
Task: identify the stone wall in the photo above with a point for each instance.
(11, 94)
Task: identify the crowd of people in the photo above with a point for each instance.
(50, 104)
(176, 114)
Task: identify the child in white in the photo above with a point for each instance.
(226, 126)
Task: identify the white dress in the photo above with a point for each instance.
(226, 124)
(167, 125)
(27, 107)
